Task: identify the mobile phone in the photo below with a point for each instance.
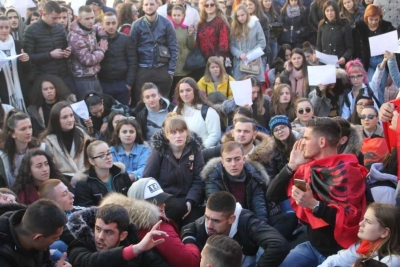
(300, 184)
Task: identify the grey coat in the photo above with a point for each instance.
(256, 39)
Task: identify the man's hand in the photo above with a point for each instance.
(24, 57)
(148, 242)
(57, 53)
(61, 262)
(191, 30)
(297, 156)
(189, 209)
(395, 120)
(304, 199)
(67, 52)
(386, 112)
(103, 44)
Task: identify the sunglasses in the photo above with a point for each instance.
(130, 118)
(369, 116)
(209, 5)
(306, 110)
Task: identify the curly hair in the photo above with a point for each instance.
(62, 90)
(125, 14)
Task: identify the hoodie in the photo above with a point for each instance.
(145, 215)
(18, 33)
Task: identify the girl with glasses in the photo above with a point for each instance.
(359, 85)
(361, 102)
(101, 177)
(304, 112)
(65, 139)
(128, 147)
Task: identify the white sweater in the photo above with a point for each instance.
(347, 257)
(209, 130)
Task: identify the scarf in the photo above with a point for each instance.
(293, 12)
(367, 248)
(13, 85)
(297, 81)
(338, 181)
(183, 26)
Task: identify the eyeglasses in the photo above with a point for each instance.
(301, 111)
(279, 129)
(209, 5)
(356, 77)
(103, 156)
(369, 116)
(130, 118)
(363, 104)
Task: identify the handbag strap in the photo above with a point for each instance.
(151, 33)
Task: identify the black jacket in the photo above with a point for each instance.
(322, 239)
(177, 177)
(315, 16)
(297, 29)
(82, 251)
(335, 39)
(141, 113)
(12, 254)
(277, 162)
(256, 181)
(144, 46)
(118, 63)
(361, 42)
(251, 234)
(89, 190)
(39, 40)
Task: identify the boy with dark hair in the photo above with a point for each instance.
(221, 251)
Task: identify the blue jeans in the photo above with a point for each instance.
(303, 255)
(373, 63)
(273, 43)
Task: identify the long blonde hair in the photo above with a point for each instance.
(218, 12)
(240, 31)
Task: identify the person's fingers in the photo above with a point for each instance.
(308, 187)
(63, 257)
(158, 241)
(186, 214)
(296, 145)
(158, 233)
(156, 226)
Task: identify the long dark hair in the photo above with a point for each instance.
(54, 127)
(7, 141)
(287, 3)
(24, 178)
(125, 14)
(116, 141)
(110, 127)
(272, 11)
(198, 97)
(282, 51)
(335, 7)
(285, 147)
(62, 90)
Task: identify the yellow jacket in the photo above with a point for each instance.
(224, 87)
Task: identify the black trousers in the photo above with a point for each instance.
(175, 208)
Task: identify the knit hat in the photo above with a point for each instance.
(94, 2)
(279, 120)
(148, 189)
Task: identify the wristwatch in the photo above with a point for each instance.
(315, 209)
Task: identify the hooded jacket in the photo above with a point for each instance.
(145, 215)
(353, 145)
(89, 190)
(381, 192)
(82, 251)
(257, 179)
(17, 34)
(180, 178)
(12, 254)
(250, 232)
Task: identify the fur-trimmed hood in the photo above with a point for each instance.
(216, 165)
(252, 21)
(264, 147)
(354, 143)
(160, 142)
(142, 214)
(81, 224)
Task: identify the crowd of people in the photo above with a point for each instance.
(122, 143)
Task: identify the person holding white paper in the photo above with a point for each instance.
(246, 35)
(198, 113)
(334, 34)
(14, 74)
(372, 25)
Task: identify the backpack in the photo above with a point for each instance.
(362, 91)
(204, 110)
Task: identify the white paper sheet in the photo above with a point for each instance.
(81, 109)
(253, 54)
(20, 6)
(398, 49)
(326, 59)
(321, 74)
(4, 61)
(384, 42)
(76, 4)
(241, 92)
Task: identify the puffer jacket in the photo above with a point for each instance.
(173, 250)
(144, 46)
(179, 178)
(335, 38)
(119, 61)
(86, 54)
(82, 251)
(12, 254)
(89, 190)
(39, 40)
(256, 181)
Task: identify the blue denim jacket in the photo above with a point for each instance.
(135, 162)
